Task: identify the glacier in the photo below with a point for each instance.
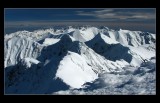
(82, 60)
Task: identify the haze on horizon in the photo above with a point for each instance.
(143, 19)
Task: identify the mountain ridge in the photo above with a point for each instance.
(71, 57)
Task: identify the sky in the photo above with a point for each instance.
(143, 19)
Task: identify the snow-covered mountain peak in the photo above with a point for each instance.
(17, 48)
(78, 35)
(132, 38)
(71, 57)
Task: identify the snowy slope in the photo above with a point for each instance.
(85, 65)
(89, 64)
(125, 37)
(89, 33)
(132, 38)
(17, 48)
(78, 36)
(80, 57)
(50, 41)
(133, 81)
(70, 68)
(51, 60)
(113, 50)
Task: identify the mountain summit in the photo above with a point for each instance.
(54, 60)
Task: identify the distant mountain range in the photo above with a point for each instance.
(53, 60)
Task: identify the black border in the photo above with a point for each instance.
(82, 4)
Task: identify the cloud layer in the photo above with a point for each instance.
(125, 18)
(120, 14)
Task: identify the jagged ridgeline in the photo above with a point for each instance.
(50, 60)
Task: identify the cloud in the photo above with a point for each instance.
(119, 14)
(104, 11)
(132, 19)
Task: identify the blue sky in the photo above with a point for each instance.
(111, 17)
(45, 14)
